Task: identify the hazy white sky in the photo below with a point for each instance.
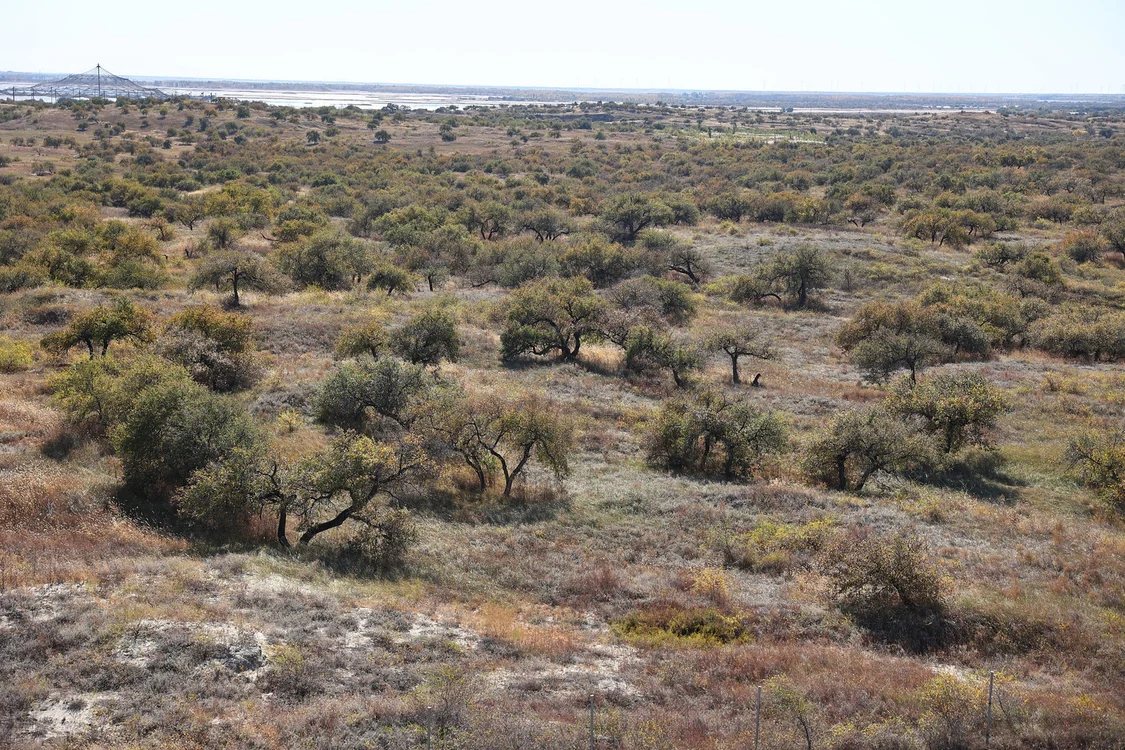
(825, 45)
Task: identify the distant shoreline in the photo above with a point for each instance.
(817, 101)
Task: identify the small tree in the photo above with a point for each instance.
(648, 348)
(859, 444)
(552, 315)
(743, 341)
(100, 327)
(237, 271)
(352, 479)
(492, 433)
(382, 136)
(372, 397)
(800, 273)
(391, 278)
(712, 434)
(885, 336)
(427, 338)
(189, 213)
(789, 701)
(632, 213)
(223, 233)
(547, 224)
(957, 408)
(366, 338)
(1096, 458)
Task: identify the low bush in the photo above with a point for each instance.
(673, 623)
(15, 356)
(874, 573)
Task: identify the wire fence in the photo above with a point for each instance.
(977, 731)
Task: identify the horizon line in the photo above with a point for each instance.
(589, 89)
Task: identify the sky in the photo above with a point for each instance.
(965, 46)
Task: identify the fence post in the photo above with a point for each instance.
(429, 727)
(988, 719)
(591, 721)
(758, 718)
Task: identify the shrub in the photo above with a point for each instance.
(603, 263)
(552, 315)
(427, 338)
(371, 396)
(176, 427)
(1042, 269)
(712, 434)
(15, 356)
(860, 444)
(100, 393)
(873, 573)
(957, 408)
(671, 300)
(1083, 246)
(775, 547)
(213, 346)
(291, 675)
(382, 542)
(326, 260)
(1096, 458)
(668, 622)
(1082, 333)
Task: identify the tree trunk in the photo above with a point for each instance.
(281, 538)
(332, 523)
(234, 286)
(734, 369)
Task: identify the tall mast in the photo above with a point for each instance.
(99, 80)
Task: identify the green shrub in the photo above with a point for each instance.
(774, 546)
(957, 408)
(427, 338)
(874, 573)
(710, 433)
(858, 445)
(1096, 458)
(1081, 333)
(670, 623)
(1084, 246)
(15, 356)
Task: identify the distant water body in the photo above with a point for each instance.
(300, 98)
(360, 99)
